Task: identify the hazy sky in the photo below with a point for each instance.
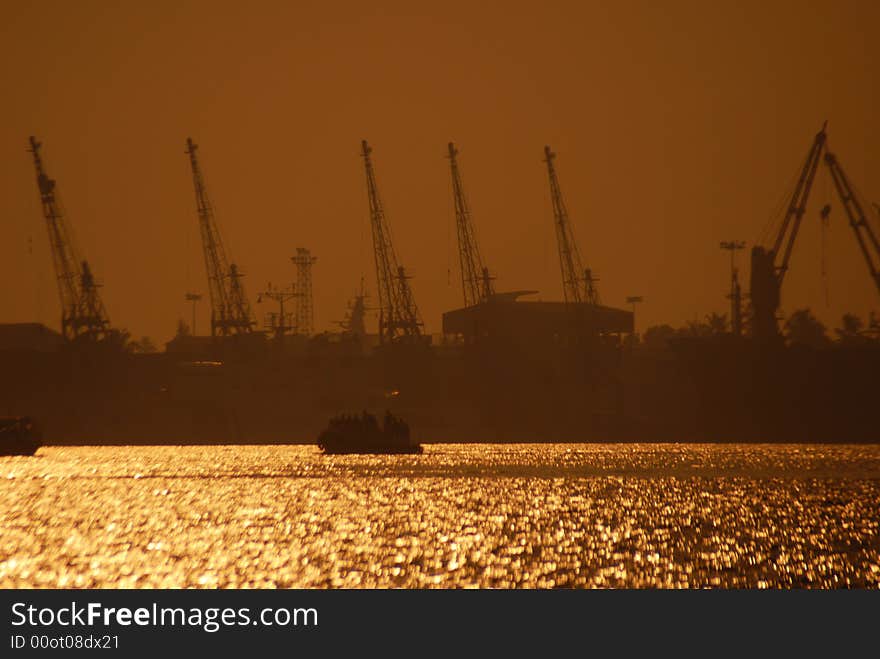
(677, 125)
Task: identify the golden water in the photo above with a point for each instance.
(458, 516)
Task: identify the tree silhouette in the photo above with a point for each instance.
(717, 323)
(851, 330)
(144, 347)
(657, 337)
(803, 329)
(747, 317)
(873, 327)
(694, 329)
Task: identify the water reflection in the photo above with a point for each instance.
(458, 516)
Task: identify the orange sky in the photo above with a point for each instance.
(677, 125)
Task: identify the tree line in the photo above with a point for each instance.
(801, 328)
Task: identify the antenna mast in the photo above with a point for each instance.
(303, 261)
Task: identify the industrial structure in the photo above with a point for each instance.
(535, 323)
(354, 325)
(476, 283)
(29, 337)
(278, 323)
(735, 295)
(491, 316)
(508, 368)
(578, 283)
(855, 213)
(486, 313)
(770, 262)
(193, 299)
(305, 311)
(399, 319)
(82, 311)
(230, 309)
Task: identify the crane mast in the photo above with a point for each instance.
(399, 319)
(82, 311)
(578, 284)
(476, 283)
(230, 309)
(769, 264)
(865, 235)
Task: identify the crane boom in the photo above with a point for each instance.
(82, 310)
(399, 319)
(476, 283)
(865, 235)
(798, 204)
(768, 273)
(230, 309)
(578, 284)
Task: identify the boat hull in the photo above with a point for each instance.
(355, 438)
(18, 436)
(372, 450)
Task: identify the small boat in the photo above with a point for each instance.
(18, 436)
(361, 433)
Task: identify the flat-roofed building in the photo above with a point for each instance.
(29, 337)
(505, 318)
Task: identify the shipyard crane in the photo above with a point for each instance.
(578, 284)
(399, 320)
(865, 235)
(82, 311)
(230, 309)
(476, 283)
(770, 262)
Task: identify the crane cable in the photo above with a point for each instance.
(774, 222)
(449, 243)
(824, 223)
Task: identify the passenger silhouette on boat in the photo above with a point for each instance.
(361, 433)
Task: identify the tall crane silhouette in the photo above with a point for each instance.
(770, 261)
(399, 320)
(476, 283)
(230, 309)
(82, 311)
(855, 212)
(578, 283)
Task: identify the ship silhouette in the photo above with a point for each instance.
(361, 433)
(18, 436)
